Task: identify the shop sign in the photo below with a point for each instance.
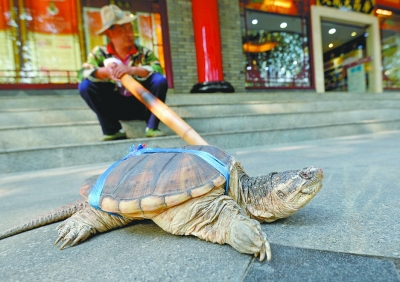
(52, 40)
(389, 3)
(123, 4)
(390, 23)
(356, 79)
(287, 7)
(363, 6)
(52, 17)
(7, 62)
(358, 62)
(4, 14)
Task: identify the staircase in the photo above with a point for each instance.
(48, 131)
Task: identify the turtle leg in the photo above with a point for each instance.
(218, 219)
(86, 222)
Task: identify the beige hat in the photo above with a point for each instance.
(111, 15)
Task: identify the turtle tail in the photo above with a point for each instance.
(47, 218)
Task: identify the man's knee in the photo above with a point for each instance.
(88, 88)
(159, 82)
(84, 86)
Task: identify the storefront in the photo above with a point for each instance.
(45, 42)
(324, 45)
(354, 67)
(388, 13)
(275, 36)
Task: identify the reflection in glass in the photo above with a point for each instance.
(391, 59)
(274, 57)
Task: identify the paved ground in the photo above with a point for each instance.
(350, 231)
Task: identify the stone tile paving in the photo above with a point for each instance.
(348, 232)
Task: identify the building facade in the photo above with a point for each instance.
(326, 45)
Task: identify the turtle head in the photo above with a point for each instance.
(284, 193)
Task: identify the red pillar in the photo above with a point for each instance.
(208, 48)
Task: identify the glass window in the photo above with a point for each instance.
(46, 41)
(41, 42)
(147, 30)
(390, 34)
(276, 52)
(148, 33)
(50, 46)
(8, 62)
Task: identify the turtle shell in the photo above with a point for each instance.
(143, 186)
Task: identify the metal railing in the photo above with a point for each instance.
(38, 76)
(255, 80)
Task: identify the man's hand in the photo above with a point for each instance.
(103, 73)
(119, 71)
(115, 72)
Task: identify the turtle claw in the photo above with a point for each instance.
(62, 233)
(268, 251)
(65, 243)
(82, 236)
(247, 237)
(265, 251)
(58, 240)
(262, 256)
(72, 233)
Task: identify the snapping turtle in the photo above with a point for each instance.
(194, 190)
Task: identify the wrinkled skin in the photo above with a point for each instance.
(232, 219)
(297, 188)
(279, 195)
(216, 217)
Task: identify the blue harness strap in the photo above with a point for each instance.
(216, 163)
(94, 196)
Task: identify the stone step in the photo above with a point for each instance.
(86, 132)
(49, 135)
(78, 154)
(44, 116)
(75, 101)
(32, 117)
(45, 131)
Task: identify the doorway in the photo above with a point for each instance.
(345, 57)
(341, 62)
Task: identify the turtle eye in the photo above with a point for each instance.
(280, 194)
(305, 174)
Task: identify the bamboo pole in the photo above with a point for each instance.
(162, 111)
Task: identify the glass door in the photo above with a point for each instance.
(345, 57)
